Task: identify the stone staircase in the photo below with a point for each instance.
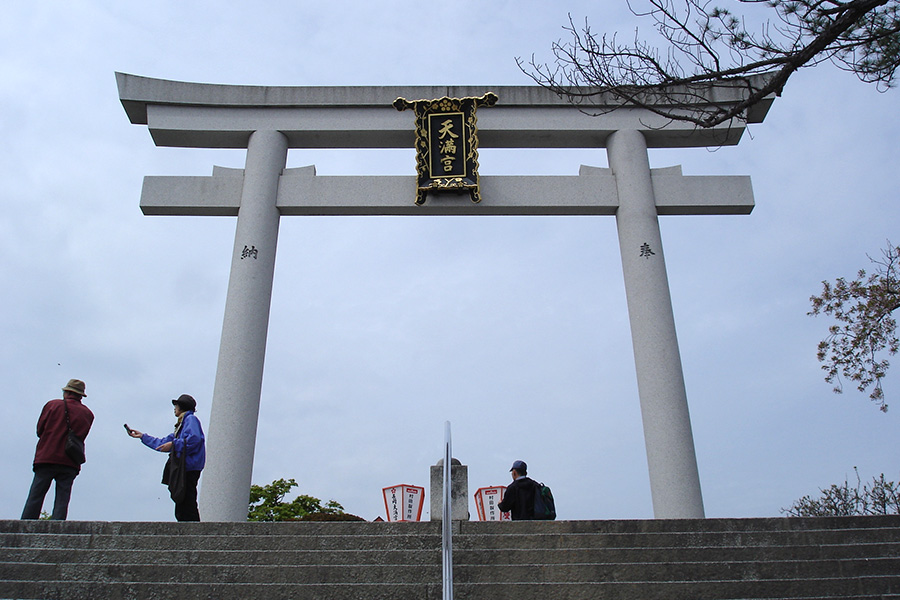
(851, 558)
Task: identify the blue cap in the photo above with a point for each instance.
(520, 466)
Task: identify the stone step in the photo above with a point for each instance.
(185, 541)
(783, 589)
(652, 542)
(486, 535)
(696, 526)
(534, 536)
(564, 573)
(674, 571)
(830, 589)
(81, 590)
(641, 527)
(227, 529)
(879, 542)
(685, 554)
(261, 574)
(221, 557)
(99, 554)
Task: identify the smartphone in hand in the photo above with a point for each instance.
(127, 428)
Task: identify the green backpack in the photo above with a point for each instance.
(544, 506)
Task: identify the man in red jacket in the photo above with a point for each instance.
(50, 460)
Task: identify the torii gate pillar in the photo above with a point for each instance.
(267, 121)
(674, 477)
(242, 351)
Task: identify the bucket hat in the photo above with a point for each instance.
(75, 386)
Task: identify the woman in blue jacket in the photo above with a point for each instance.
(187, 437)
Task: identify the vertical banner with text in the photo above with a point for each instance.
(404, 502)
(486, 501)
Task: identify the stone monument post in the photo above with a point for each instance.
(459, 490)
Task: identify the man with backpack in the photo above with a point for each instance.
(522, 494)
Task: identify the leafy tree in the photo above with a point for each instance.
(711, 47)
(267, 503)
(882, 498)
(857, 346)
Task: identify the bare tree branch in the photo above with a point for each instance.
(710, 47)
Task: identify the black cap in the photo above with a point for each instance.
(185, 402)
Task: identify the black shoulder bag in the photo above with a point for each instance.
(74, 444)
(175, 472)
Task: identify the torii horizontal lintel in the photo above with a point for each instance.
(184, 114)
(302, 192)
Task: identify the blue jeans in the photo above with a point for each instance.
(44, 475)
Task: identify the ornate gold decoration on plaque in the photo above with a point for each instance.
(446, 144)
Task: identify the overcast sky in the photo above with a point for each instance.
(513, 329)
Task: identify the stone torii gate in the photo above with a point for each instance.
(267, 121)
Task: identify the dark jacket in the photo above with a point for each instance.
(52, 431)
(519, 499)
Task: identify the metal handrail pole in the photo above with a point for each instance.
(446, 523)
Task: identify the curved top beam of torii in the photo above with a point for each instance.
(204, 115)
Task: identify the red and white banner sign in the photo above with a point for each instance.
(486, 501)
(404, 502)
